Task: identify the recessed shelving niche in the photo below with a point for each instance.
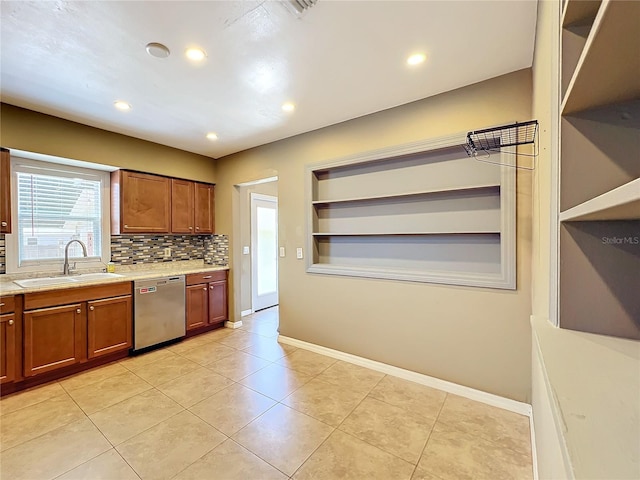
(422, 212)
(599, 242)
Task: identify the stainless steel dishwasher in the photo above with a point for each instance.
(159, 311)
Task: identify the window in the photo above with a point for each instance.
(54, 204)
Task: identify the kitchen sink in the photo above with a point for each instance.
(46, 281)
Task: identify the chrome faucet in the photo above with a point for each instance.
(65, 269)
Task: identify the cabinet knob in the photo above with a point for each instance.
(10, 322)
(197, 228)
(190, 228)
(211, 287)
(205, 289)
(1, 304)
(78, 311)
(126, 226)
(4, 224)
(91, 308)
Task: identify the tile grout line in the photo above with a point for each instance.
(446, 394)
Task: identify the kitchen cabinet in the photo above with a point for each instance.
(5, 191)
(67, 327)
(182, 206)
(109, 325)
(204, 208)
(140, 203)
(7, 340)
(206, 299)
(192, 207)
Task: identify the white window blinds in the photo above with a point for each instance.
(55, 205)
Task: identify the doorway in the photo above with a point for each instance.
(264, 251)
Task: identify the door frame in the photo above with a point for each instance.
(253, 197)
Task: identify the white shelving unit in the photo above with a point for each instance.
(423, 212)
(599, 259)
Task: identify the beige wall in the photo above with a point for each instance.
(244, 192)
(472, 336)
(35, 132)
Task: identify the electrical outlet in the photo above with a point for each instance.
(245, 250)
(298, 253)
(282, 251)
(167, 252)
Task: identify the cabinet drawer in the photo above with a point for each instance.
(7, 304)
(53, 298)
(206, 277)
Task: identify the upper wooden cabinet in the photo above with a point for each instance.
(5, 191)
(144, 203)
(204, 208)
(140, 203)
(182, 206)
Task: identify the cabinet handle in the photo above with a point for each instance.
(10, 322)
(4, 224)
(126, 226)
(208, 276)
(205, 289)
(78, 311)
(190, 228)
(1, 304)
(197, 228)
(91, 308)
(211, 287)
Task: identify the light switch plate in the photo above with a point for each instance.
(282, 251)
(245, 250)
(167, 252)
(298, 253)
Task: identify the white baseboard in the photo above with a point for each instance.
(534, 451)
(467, 392)
(236, 324)
(244, 313)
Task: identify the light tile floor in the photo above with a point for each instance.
(236, 404)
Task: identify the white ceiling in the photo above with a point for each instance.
(340, 60)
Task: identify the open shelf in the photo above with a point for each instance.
(432, 215)
(491, 186)
(622, 203)
(607, 71)
(599, 277)
(599, 152)
(575, 11)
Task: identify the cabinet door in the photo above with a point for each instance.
(204, 201)
(218, 302)
(145, 204)
(7, 348)
(53, 338)
(5, 191)
(108, 325)
(197, 298)
(182, 208)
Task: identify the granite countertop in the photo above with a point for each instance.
(129, 273)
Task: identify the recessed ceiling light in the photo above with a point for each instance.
(121, 105)
(157, 50)
(416, 58)
(212, 136)
(288, 107)
(195, 54)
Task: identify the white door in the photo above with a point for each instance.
(264, 251)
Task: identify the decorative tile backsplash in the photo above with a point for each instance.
(136, 249)
(3, 263)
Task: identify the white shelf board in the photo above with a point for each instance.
(576, 11)
(386, 234)
(607, 71)
(622, 203)
(407, 194)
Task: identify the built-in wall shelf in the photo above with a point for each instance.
(608, 66)
(622, 203)
(599, 208)
(424, 212)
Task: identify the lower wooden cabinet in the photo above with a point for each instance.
(53, 338)
(109, 326)
(7, 348)
(206, 299)
(66, 327)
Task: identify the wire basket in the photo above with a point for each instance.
(496, 139)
